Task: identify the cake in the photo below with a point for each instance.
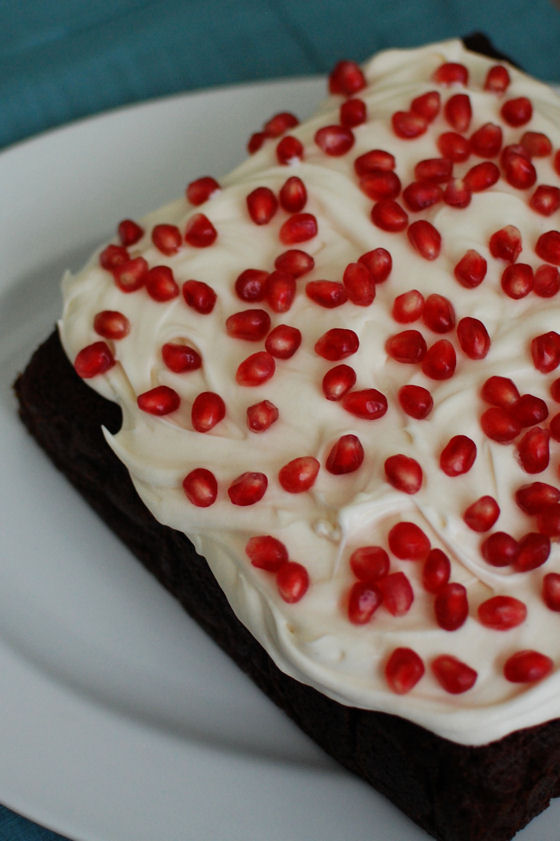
(319, 399)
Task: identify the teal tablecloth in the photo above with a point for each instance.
(63, 59)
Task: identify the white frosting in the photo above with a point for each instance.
(313, 639)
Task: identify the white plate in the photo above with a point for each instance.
(119, 719)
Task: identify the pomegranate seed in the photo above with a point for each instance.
(457, 194)
(458, 455)
(160, 400)
(266, 552)
(408, 124)
(519, 172)
(545, 200)
(408, 542)
(337, 381)
(545, 351)
(536, 144)
(298, 228)
(534, 498)
(517, 280)
(353, 112)
(346, 78)
(200, 232)
(261, 416)
(251, 325)
(502, 613)
(505, 244)
(499, 549)
(481, 176)
(425, 239)
(293, 195)
(374, 160)
(556, 161)
(486, 141)
(403, 670)
(409, 346)
(280, 291)
(451, 73)
(453, 675)
(112, 256)
(180, 358)
(397, 593)
(345, 456)
(256, 369)
(438, 313)
(289, 150)
(513, 150)
(199, 296)
(369, 563)
(292, 580)
(129, 232)
(283, 341)
(131, 275)
(527, 666)
(368, 404)
(451, 606)
(363, 601)
(498, 424)
(422, 194)
(248, 488)
(403, 473)
(458, 111)
(546, 281)
(440, 360)
(250, 285)
(436, 170)
(548, 247)
(379, 263)
(554, 427)
(416, 401)
(161, 284)
(517, 112)
(548, 520)
(555, 390)
(500, 391)
(473, 338)
(299, 474)
(380, 184)
(255, 142)
(529, 410)
(470, 271)
(294, 262)
(534, 550)
(481, 515)
(359, 284)
(201, 487)
(427, 105)
(389, 215)
(497, 79)
(111, 324)
(436, 571)
(207, 410)
(202, 189)
(337, 343)
(454, 146)
(166, 238)
(334, 140)
(94, 359)
(551, 590)
(408, 307)
(326, 293)
(262, 204)
(533, 450)
(279, 123)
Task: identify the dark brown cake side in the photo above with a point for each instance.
(456, 793)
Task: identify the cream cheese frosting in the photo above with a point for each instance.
(313, 639)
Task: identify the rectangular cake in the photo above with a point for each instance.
(317, 397)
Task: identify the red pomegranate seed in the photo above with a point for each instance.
(529, 410)
(425, 239)
(326, 293)
(451, 606)
(519, 172)
(438, 313)
(409, 346)
(283, 341)
(359, 284)
(255, 142)
(500, 391)
(436, 571)
(167, 238)
(294, 262)
(440, 360)
(256, 369)
(499, 549)
(293, 195)
(513, 150)
(292, 580)
(408, 542)
(419, 195)
(527, 666)
(534, 550)
(261, 416)
(502, 613)
(280, 291)
(403, 473)
(298, 228)
(334, 140)
(389, 215)
(427, 105)
(131, 275)
(545, 351)
(482, 514)
(554, 427)
(555, 390)
(199, 296)
(451, 73)
(453, 675)
(458, 111)
(353, 112)
(397, 592)
(363, 601)
(250, 285)
(497, 79)
(517, 280)
(374, 160)
(346, 455)
(548, 247)
(545, 200)
(403, 670)
(437, 170)
(200, 232)
(337, 381)
(180, 358)
(379, 263)
(533, 450)
(481, 176)
(473, 337)
(207, 410)
(111, 324)
(470, 271)
(289, 150)
(458, 455)
(112, 256)
(551, 591)
(534, 498)
(498, 424)
(251, 325)
(200, 487)
(380, 184)
(517, 112)
(408, 124)
(161, 284)
(202, 189)
(368, 404)
(408, 307)
(548, 520)
(537, 145)
(457, 194)
(262, 204)
(160, 400)
(94, 359)
(337, 343)
(416, 401)
(346, 78)
(299, 474)
(129, 232)
(279, 123)
(556, 161)
(266, 552)
(369, 563)
(505, 244)
(454, 146)
(486, 141)
(248, 488)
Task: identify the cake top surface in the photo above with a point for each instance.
(338, 373)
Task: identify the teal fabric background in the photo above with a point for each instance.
(64, 59)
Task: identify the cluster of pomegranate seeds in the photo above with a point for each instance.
(271, 555)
